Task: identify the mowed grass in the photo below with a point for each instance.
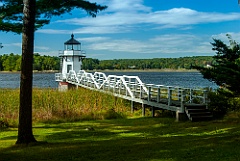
(63, 123)
(128, 139)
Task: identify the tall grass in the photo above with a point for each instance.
(9, 103)
(72, 105)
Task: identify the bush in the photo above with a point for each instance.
(3, 124)
(220, 103)
(112, 114)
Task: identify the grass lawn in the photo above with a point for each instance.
(131, 139)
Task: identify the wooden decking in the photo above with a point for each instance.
(131, 88)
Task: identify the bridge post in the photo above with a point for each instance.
(183, 92)
(140, 94)
(191, 95)
(179, 93)
(149, 93)
(169, 96)
(153, 111)
(134, 90)
(132, 106)
(158, 94)
(205, 97)
(114, 84)
(143, 110)
(180, 114)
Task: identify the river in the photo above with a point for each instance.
(181, 79)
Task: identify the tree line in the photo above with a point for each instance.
(12, 62)
(142, 64)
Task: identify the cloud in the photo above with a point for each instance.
(133, 28)
(162, 44)
(120, 20)
(15, 44)
(179, 44)
(100, 30)
(41, 47)
(223, 37)
(126, 6)
(93, 39)
(50, 53)
(53, 31)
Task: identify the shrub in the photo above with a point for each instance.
(220, 102)
(112, 114)
(3, 124)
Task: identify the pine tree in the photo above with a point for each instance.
(26, 17)
(225, 70)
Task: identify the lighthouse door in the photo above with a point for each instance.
(69, 67)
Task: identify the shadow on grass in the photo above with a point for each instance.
(132, 139)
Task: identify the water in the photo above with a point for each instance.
(181, 79)
(40, 80)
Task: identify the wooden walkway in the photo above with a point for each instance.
(132, 88)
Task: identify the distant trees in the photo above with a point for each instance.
(143, 64)
(45, 63)
(12, 62)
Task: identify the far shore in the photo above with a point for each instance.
(35, 71)
(146, 70)
(108, 70)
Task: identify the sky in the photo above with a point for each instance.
(138, 29)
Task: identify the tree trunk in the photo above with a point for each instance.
(25, 134)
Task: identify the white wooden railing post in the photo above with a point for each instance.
(169, 96)
(183, 92)
(140, 94)
(190, 95)
(158, 94)
(179, 93)
(205, 98)
(149, 93)
(133, 90)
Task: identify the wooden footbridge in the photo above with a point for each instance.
(185, 102)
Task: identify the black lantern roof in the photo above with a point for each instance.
(72, 41)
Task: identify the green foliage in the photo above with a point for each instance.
(225, 70)
(142, 64)
(11, 12)
(12, 62)
(222, 102)
(112, 114)
(219, 103)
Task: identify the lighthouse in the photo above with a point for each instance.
(72, 56)
(70, 60)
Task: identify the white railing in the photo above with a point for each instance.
(132, 88)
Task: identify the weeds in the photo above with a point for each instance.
(52, 105)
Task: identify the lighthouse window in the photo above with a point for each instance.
(69, 47)
(69, 67)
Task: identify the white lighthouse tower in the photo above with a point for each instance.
(71, 59)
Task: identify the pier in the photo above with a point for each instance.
(185, 102)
